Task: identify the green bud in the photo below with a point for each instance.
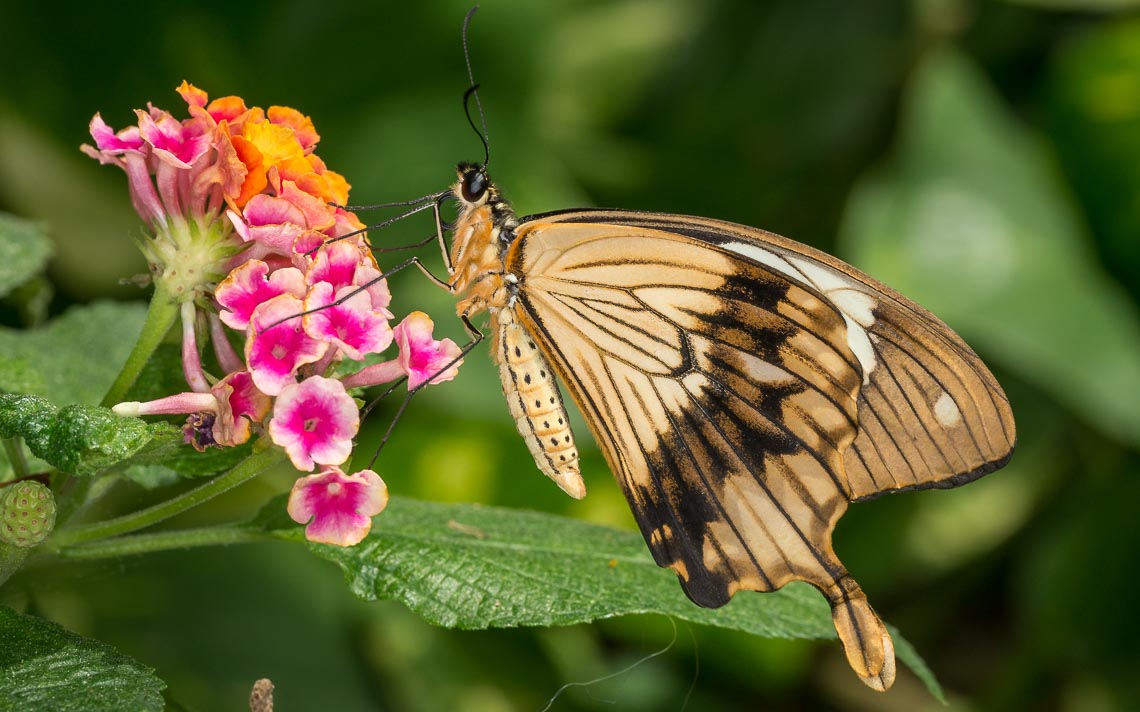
(27, 509)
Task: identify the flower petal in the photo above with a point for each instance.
(251, 285)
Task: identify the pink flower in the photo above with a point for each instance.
(277, 345)
(110, 143)
(344, 263)
(250, 285)
(179, 143)
(240, 404)
(337, 507)
(421, 356)
(274, 223)
(221, 417)
(353, 326)
(315, 421)
(125, 149)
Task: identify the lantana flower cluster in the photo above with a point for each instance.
(246, 229)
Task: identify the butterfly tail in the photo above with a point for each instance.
(865, 639)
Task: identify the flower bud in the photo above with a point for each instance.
(27, 513)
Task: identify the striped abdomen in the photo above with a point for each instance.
(536, 404)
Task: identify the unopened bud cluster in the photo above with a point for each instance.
(28, 511)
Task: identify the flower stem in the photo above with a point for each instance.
(163, 541)
(13, 448)
(255, 464)
(160, 316)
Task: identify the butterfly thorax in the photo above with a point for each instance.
(482, 234)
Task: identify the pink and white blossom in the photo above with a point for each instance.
(337, 508)
(423, 357)
(277, 345)
(352, 326)
(251, 285)
(315, 421)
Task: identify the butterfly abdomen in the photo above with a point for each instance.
(536, 404)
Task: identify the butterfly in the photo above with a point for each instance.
(744, 388)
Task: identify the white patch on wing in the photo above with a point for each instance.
(946, 411)
(765, 257)
(860, 344)
(857, 305)
(850, 298)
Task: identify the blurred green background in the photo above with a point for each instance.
(983, 158)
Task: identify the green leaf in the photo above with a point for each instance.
(24, 250)
(80, 439)
(472, 567)
(78, 354)
(171, 454)
(970, 220)
(44, 667)
(19, 376)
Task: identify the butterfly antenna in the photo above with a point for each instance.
(473, 90)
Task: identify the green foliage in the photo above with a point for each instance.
(1094, 113)
(44, 667)
(472, 567)
(970, 220)
(24, 250)
(78, 439)
(982, 158)
(76, 355)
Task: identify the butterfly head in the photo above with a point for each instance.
(474, 187)
(480, 199)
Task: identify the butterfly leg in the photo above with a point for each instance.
(476, 338)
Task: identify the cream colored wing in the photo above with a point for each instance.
(724, 394)
(930, 414)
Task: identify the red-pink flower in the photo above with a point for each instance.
(337, 507)
(347, 262)
(277, 345)
(240, 404)
(276, 225)
(251, 285)
(176, 142)
(421, 356)
(315, 421)
(222, 417)
(352, 326)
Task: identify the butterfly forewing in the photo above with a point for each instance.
(930, 413)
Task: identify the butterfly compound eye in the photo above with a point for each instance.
(474, 185)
